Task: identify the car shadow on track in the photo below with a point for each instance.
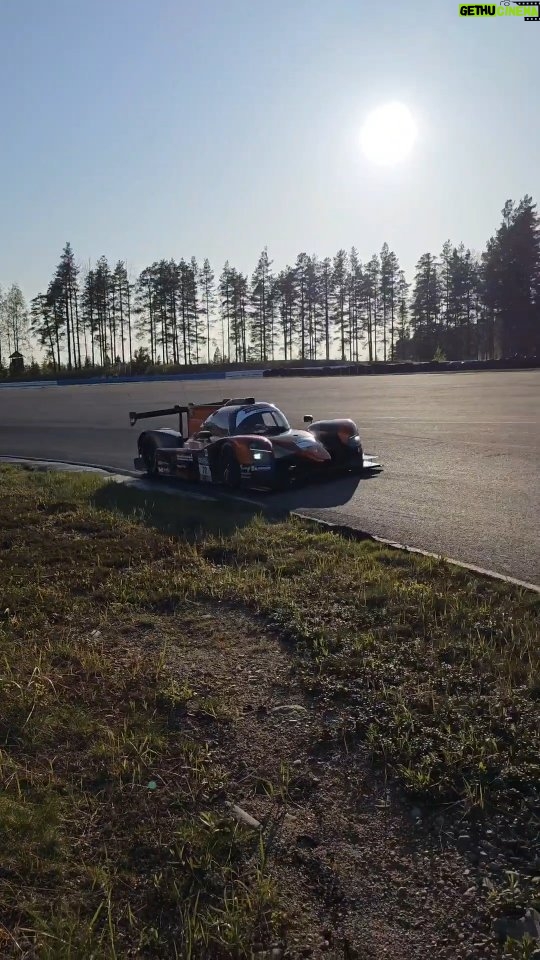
(185, 517)
(317, 494)
(159, 503)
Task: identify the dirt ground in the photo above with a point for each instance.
(362, 875)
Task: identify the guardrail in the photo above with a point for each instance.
(153, 378)
(27, 384)
(160, 377)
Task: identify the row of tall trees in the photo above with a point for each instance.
(461, 305)
(85, 322)
(328, 308)
(467, 306)
(183, 314)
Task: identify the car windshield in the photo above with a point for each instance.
(261, 421)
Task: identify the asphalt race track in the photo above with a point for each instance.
(461, 451)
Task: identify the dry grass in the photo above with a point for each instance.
(116, 840)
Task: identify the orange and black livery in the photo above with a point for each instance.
(242, 442)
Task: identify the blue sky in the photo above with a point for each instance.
(142, 129)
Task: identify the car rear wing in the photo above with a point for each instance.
(195, 413)
(167, 412)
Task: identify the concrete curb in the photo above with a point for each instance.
(128, 477)
(58, 464)
(351, 533)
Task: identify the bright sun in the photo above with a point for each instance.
(389, 134)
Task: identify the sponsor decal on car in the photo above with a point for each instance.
(205, 473)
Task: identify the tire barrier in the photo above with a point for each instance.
(320, 370)
(380, 367)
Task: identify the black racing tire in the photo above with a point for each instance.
(229, 469)
(149, 455)
(358, 465)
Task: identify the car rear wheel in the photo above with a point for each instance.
(230, 472)
(149, 455)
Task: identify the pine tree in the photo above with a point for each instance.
(225, 297)
(426, 306)
(163, 282)
(461, 290)
(55, 302)
(145, 310)
(340, 283)
(122, 307)
(327, 293)
(185, 309)
(240, 294)
(170, 282)
(355, 276)
(89, 313)
(402, 311)
(102, 296)
(445, 275)
(371, 291)
(511, 281)
(44, 326)
(286, 297)
(197, 327)
(389, 279)
(261, 286)
(207, 279)
(273, 307)
(313, 307)
(385, 283)
(471, 294)
(301, 269)
(66, 293)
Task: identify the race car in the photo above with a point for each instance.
(241, 442)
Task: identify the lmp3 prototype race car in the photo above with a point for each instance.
(243, 443)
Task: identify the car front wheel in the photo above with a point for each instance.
(357, 462)
(230, 469)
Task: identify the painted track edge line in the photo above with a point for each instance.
(358, 534)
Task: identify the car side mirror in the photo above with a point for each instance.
(308, 418)
(204, 435)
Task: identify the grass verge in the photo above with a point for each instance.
(117, 840)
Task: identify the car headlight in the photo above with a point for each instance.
(354, 442)
(261, 456)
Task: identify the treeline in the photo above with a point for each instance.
(460, 305)
(466, 306)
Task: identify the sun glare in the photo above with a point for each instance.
(389, 134)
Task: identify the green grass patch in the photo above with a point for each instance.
(115, 835)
